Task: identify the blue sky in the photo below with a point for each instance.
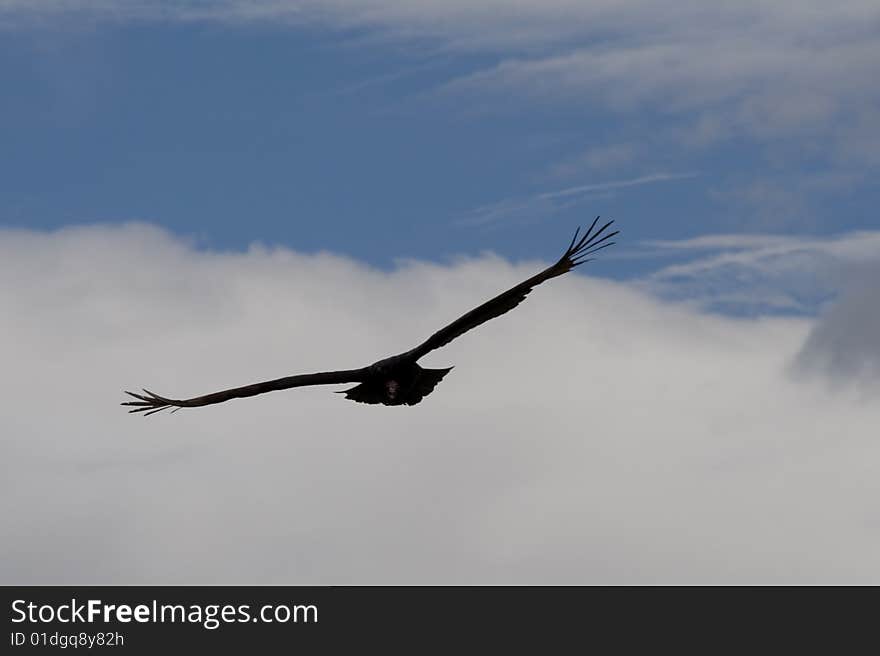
(439, 130)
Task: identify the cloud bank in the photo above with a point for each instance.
(595, 435)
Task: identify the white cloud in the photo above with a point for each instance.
(594, 434)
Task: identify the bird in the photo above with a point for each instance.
(398, 380)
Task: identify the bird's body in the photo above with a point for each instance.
(397, 380)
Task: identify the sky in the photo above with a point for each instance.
(199, 195)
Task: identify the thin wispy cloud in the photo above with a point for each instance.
(615, 184)
(550, 202)
(595, 158)
(761, 273)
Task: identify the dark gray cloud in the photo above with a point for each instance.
(845, 342)
(595, 435)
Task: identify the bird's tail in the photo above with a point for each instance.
(425, 384)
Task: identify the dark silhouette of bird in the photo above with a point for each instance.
(398, 380)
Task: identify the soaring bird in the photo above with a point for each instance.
(399, 380)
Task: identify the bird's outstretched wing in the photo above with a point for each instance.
(148, 403)
(578, 253)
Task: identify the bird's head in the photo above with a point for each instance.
(380, 368)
